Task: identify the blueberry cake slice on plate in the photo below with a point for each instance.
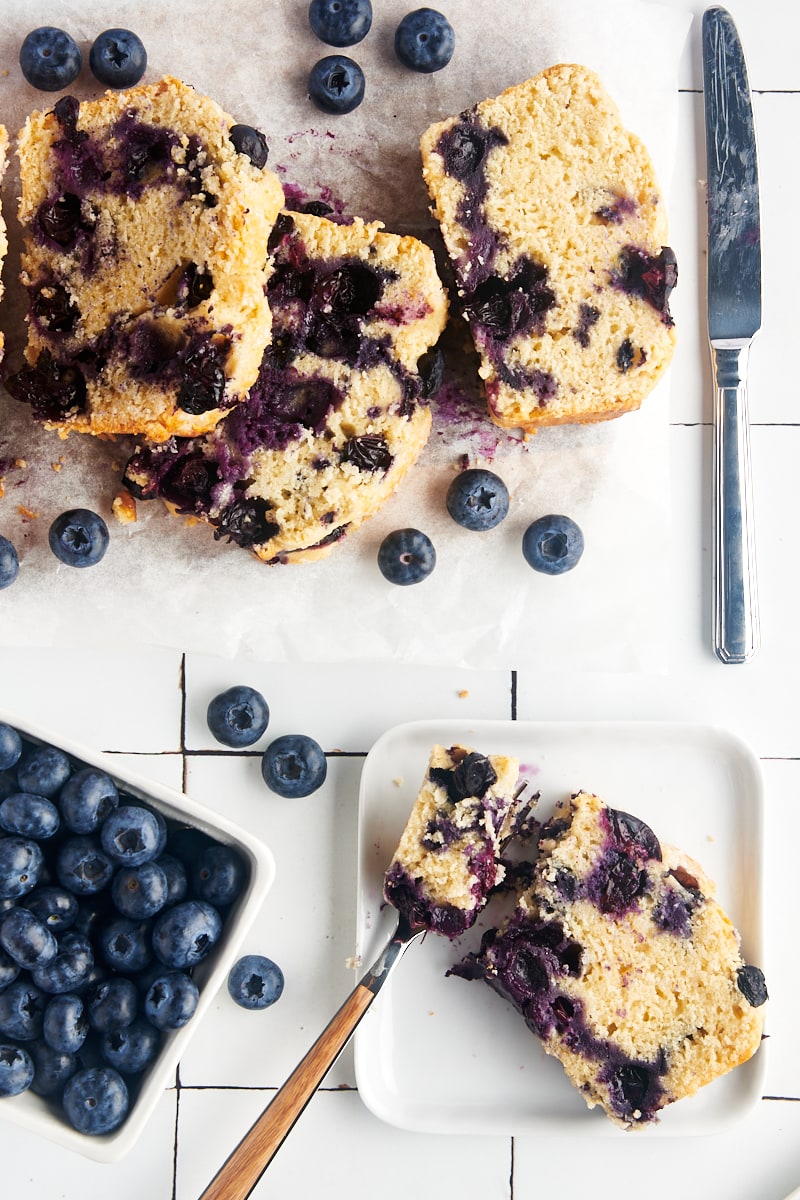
(338, 413)
(624, 964)
(553, 219)
(146, 216)
(448, 860)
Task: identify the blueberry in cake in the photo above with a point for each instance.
(555, 225)
(145, 233)
(624, 964)
(338, 413)
(448, 860)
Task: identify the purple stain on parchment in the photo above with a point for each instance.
(459, 416)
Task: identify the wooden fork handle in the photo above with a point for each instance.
(243, 1168)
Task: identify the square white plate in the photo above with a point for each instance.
(441, 1054)
(39, 1115)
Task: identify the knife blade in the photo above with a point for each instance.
(734, 318)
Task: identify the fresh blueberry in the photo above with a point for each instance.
(50, 59)
(187, 845)
(424, 40)
(9, 563)
(112, 1004)
(255, 981)
(79, 537)
(131, 1049)
(238, 717)
(219, 875)
(176, 877)
(171, 1000)
(25, 939)
(118, 58)
(21, 866)
(132, 835)
(16, 1069)
(44, 771)
(87, 798)
(139, 891)
(10, 747)
(52, 1068)
(751, 983)
(336, 84)
(71, 968)
(56, 907)
(64, 1025)
(29, 815)
(186, 933)
(95, 1100)
(477, 499)
(22, 1006)
(251, 142)
(294, 765)
(9, 970)
(125, 944)
(82, 865)
(552, 544)
(340, 22)
(406, 556)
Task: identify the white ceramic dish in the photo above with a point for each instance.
(36, 1114)
(439, 1054)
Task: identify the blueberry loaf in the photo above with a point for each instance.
(552, 216)
(3, 238)
(624, 964)
(448, 859)
(146, 215)
(338, 413)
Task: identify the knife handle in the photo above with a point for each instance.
(737, 634)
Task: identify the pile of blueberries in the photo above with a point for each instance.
(424, 41)
(105, 910)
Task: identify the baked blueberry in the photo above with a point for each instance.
(118, 58)
(186, 933)
(255, 981)
(86, 799)
(238, 716)
(406, 556)
(95, 1100)
(552, 544)
(250, 141)
(79, 537)
(424, 40)
(9, 563)
(294, 765)
(477, 499)
(10, 747)
(336, 84)
(16, 1069)
(50, 59)
(171, 1000)
(340, 22)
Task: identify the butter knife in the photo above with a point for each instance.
(734, 318)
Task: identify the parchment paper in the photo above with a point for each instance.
(164, 582)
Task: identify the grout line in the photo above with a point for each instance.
(513, 695)
(175, 1141)
(511, 1173)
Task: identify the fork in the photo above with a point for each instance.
(248, 1161)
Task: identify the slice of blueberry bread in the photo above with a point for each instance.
(145, 232)
(622, 961)
(3, 238)
(448, 860)
(555, 225)
(338, 413)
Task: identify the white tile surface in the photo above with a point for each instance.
(149, 706)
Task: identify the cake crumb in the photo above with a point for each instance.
(58, 464)
(353, 962)
(123, 507)
(463, 693)
(27, 513)
(398, 781)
